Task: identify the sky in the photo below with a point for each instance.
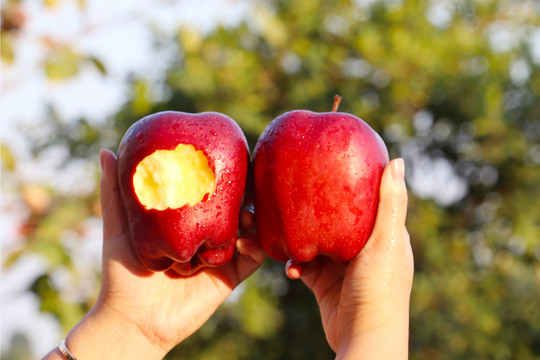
(119, 34)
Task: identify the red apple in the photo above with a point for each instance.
(182, 179)
(316, 184)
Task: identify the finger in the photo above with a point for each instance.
(248, 193)
(322, 274)
(249, 258)
(294, 270)
(247, 222)
(114, 224)
(251, 247)
(392, 209)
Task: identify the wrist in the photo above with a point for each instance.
(102, 334)
(379, 345)
(377, 334)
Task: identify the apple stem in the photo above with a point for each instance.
(337, 101)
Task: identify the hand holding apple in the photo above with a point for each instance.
(316, 184)
(182, 179)
(364, 304)
(142, 314)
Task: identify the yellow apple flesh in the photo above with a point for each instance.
(170, 179)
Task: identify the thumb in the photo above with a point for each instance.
(114, 224)
(392, 210)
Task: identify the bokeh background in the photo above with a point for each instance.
(453, 87)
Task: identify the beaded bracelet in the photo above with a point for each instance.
(64, 350)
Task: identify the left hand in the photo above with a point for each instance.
(151, 310)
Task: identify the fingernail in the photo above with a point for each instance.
(398, 169)
(293, 270)
(244, 242)
(240, 243)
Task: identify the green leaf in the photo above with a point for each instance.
(6, 46)
(8, 160)
(62, 65)
(98, 64)
(141, 102)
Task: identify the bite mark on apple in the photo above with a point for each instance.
(174, 178)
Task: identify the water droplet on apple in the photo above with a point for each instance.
(139, 136)
(199, 225)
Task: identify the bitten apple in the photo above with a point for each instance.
(182, 178)
(316, 184)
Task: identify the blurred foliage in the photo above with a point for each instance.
(448, 84)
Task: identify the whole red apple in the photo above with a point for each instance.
(316, 180)
(182, 178)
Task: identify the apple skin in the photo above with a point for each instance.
(316, 179)
(184, 240)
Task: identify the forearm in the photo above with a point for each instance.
(101, 335)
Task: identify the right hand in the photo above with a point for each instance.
(367, 299)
